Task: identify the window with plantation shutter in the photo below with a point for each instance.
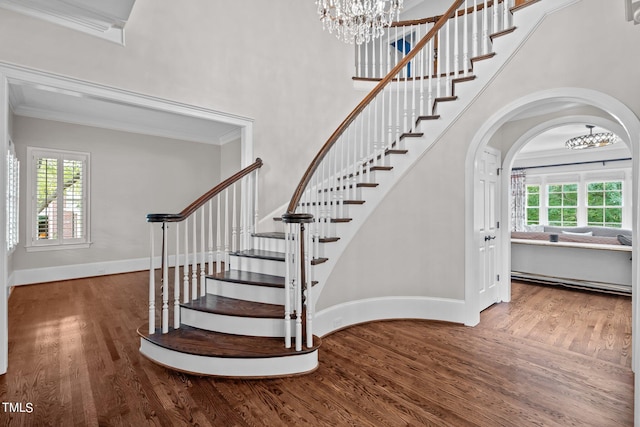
(13, 180)
(59, 198)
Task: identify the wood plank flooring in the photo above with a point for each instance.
(551, 357)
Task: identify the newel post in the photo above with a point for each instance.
(298, 299)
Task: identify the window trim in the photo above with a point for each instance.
(13, 199)
(33, 244)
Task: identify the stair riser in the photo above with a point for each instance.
(278, 245)
(229, 366)
(264, 294)
(257, 265)
(233, 324)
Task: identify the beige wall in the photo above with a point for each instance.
(131, 175)
(266, 60)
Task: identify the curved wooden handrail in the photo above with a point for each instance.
(306, 178)
(206, 196)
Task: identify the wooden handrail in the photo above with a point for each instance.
(306, 178)
(206, 196)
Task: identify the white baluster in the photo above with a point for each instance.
(505, 14)
(448, 43)
(210, 237)
(219, 267)
(485, 28)
(366, 59)
(308, 299)
(255, 202)
(185, 268)
(456, 46)
(203, 273)
(234, 222)
(431, 65)
(176, 281)
(287, 286)
(226, 228)
(152, 285)
(476, 41)
(298, 289)
(194, 260)
(359, 72)
(165, 280)
(496, 16)
(438, 63)
(465, 39)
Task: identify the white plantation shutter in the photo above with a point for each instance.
(59, 200)
(13, 187)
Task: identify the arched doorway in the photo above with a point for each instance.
(619, 118)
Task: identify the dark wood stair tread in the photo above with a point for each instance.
(502, 33)
(260, 253)
(280, 234)
(248, 277)
(217, 304)
(200, 342)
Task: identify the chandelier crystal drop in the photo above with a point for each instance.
(592, 140)
(358, 21)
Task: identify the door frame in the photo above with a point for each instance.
(10, 73)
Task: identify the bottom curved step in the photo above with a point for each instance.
(201, 352)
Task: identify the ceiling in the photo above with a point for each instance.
(50, 103)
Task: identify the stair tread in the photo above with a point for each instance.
(280, 234)
(251, 278)
(235, 307)
(261, 253)
(200, 342)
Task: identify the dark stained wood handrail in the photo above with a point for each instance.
(297, 195)
(206, 196)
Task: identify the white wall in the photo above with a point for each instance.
(267, 60)
(414, 243)
(131, 175)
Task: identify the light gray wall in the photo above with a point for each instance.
(131, 175)
(414, 243)
(266, 60)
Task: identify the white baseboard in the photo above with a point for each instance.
(386, 308)
(77, 271)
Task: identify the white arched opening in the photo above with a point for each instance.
(622, 121)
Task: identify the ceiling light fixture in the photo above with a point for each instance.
(358, 21)
(592, 140)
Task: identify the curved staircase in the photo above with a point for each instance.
(239, 322)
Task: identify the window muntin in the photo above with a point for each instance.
(604, 204)
(59, 195)
(562, 204)
(533, 204)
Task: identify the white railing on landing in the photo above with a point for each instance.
(443, 53)
(204, 234)
(463, 37)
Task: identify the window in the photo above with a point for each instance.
(13, 179)
(533, 204)
(562, 204)
(59, 197)
(604, 204)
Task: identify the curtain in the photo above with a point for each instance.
(518, 200)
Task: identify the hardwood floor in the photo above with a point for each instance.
(552, 357)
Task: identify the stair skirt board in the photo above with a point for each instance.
(235, 325)
(247, 292)
(352, 313)
(264, 367)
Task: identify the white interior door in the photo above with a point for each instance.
(487, 224)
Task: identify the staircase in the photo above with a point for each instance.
(239, 298)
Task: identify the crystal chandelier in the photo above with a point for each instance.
(592, 140)
(358, 20)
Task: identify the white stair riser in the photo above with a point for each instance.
(247, 292)
(229, 366)
(268, 244)
(257, 265)
(235, 325)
